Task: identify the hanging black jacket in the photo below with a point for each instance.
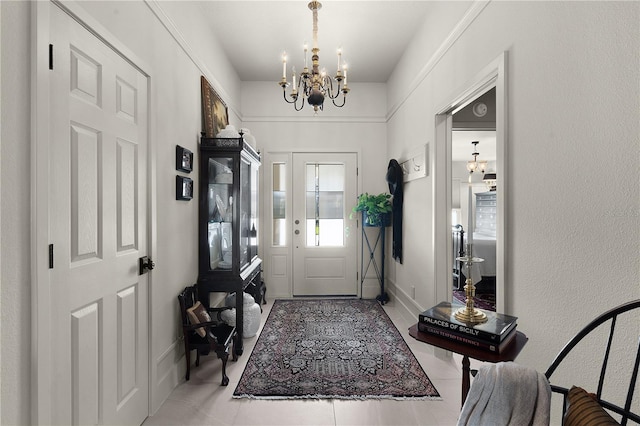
(395, 180)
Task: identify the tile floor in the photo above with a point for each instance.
(202, 401)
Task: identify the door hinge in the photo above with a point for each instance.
(51, 56)
(50, 256)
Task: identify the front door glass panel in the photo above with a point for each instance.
(324, 222)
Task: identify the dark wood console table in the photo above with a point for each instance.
(470, 352)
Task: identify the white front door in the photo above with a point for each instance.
(98, 229)
(324, 238)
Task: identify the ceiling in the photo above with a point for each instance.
(373, 35)
(470, 127)
(462, 146)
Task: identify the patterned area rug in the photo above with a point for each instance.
(332, 349)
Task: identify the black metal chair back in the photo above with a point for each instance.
(610, 317)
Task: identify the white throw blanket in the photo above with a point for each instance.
(507, 394)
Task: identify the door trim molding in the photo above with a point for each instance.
(41, 384)
(40, 285)
(266, 205)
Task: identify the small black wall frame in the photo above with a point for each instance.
(184, 159)
(184, 188)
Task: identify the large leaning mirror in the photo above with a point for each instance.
(474, 197)
(471, 128)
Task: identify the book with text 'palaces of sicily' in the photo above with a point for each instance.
(494, 330)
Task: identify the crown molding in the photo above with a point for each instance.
(172, 29)
(470, 15)
(313, 119)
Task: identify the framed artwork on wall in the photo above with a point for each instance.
(184, 188)
(184, 159)
(215, 116)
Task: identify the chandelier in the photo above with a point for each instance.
(314, 84)
(474, 164)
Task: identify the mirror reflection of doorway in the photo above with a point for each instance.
(474, 197)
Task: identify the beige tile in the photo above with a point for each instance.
(403, 412)
(356, 412)
(179, 412)
(285, 412)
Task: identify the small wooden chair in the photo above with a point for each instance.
(204, 334)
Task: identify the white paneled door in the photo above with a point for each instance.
(324, 238)
(98, 228)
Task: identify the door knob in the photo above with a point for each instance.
(145, 264)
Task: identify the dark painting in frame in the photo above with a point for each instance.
(184, 159)
(215, 116)
(184, 188)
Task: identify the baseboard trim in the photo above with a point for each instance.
(409, 309)
(167, 375)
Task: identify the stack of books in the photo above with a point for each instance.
(494, 335)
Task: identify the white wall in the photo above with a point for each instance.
(573, 198)
(175, 119)
(176, 109)
(411, 104)
(573, 149)
(357, 127)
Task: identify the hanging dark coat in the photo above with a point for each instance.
(395, 180)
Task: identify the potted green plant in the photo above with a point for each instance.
(376, 209)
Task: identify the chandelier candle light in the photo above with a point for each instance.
(469, 313)
(315, 84)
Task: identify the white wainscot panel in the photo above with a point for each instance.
(127, 343)
(329, 267)
(127, 196)
(86, 78)
(279, 266)
(85, 364)
(126, 100)
(86, 193)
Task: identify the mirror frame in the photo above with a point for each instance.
(493, 75)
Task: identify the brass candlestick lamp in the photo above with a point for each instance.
(469, 314)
